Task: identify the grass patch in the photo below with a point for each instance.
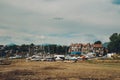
(52, 68)
(21, 70)
(16, 74)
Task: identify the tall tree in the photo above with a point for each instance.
(98, 42)
(114, 45)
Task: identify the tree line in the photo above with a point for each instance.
(11, 50)
(114, 44)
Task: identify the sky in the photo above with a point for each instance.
(58, 21)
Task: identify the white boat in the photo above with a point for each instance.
(34, 58)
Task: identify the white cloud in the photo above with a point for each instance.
(60, 21)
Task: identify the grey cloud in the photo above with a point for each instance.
(49, 0)
(58, 18)
(4, 38)
(91, 37)
(68, 20)
(4, 27)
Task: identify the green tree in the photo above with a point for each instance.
(24, 48)
(114, 44)
(98, 42)
(58, 49)
(51, 48)
(11, 50)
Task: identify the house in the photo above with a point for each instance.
(75, 47)
(86, 48)
(79, 47)
(98, 49)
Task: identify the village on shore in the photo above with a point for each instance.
(49, 52)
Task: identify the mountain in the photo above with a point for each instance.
(106, 44)
(11, 44)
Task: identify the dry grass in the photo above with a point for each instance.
(21, 70)
(5, 62)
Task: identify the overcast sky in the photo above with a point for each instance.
(58, 21)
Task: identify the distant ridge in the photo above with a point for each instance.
(11, 44)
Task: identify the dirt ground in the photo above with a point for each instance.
(37, 70)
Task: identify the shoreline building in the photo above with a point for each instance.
(98, 49)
